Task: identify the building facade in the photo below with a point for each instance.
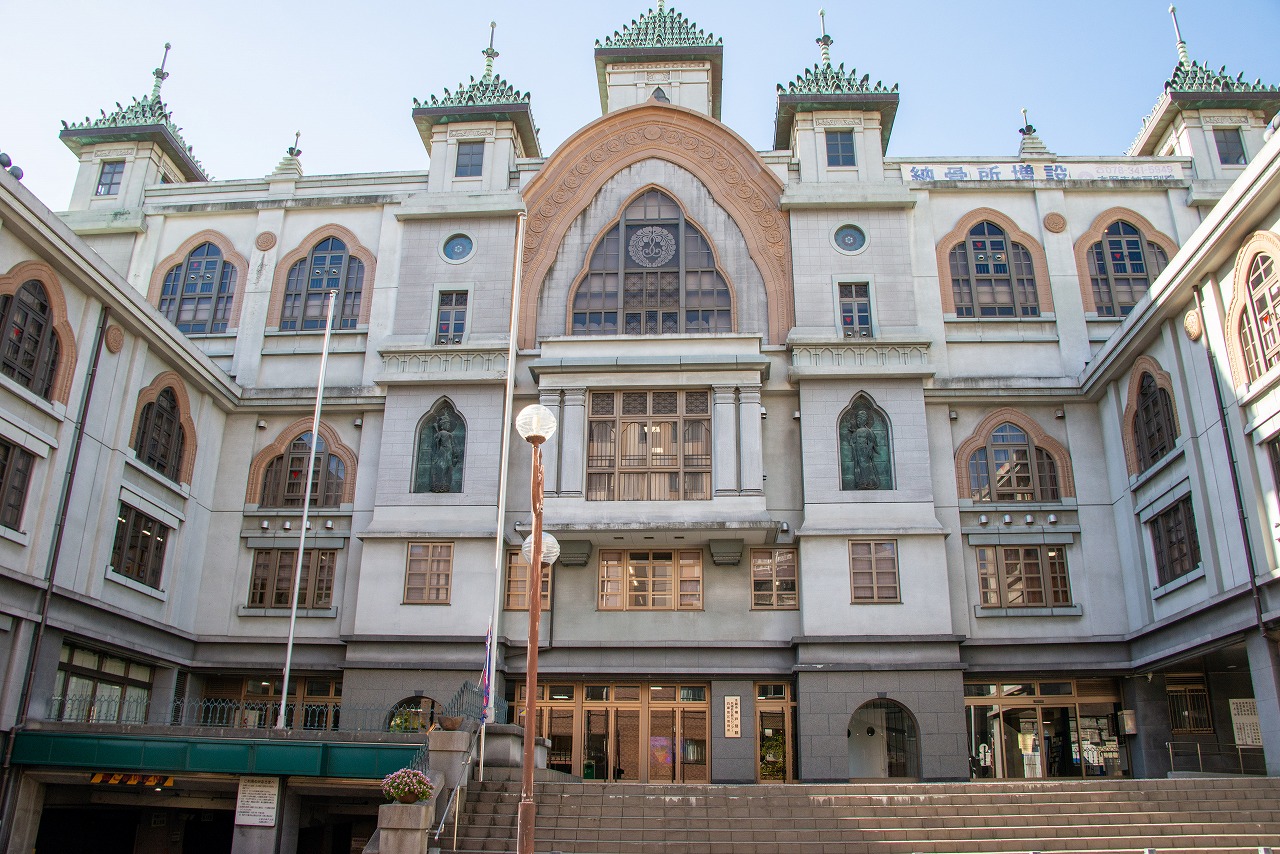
(867, 467)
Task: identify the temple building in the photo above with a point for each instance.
(926, 468)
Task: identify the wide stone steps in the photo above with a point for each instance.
(1229, 816)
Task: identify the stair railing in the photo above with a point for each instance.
(456, 798)
(1221, 757)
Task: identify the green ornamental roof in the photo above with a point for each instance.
(489, 90)
(1194, 77)
(661, 28)
(146, 112)
(834, 80)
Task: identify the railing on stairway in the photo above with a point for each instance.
(1215, 757)
(457, 798)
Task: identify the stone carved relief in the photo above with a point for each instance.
(265, 240)
(1055, 222)
(734, 174)
(115, 338)
(866, 461)
(441, 449)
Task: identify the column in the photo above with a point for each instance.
(724, 440)
(750, 441)
(571, 472)
(1264, 670)
(551, 448)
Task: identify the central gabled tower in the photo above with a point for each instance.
(661, 54)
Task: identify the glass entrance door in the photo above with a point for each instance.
(775, 757)
(1040, 741)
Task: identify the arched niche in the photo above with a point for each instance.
(865, 442)
(439, 450)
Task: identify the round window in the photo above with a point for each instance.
(850, 238)
(458, 248)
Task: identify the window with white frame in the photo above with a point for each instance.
(855, 309)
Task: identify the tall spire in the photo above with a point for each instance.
(1184, 58)
(826, 40)
(489, 53)
(160, 74)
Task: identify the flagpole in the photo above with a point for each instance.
(500, 544)
(306, 508)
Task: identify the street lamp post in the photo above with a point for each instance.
(536, 424)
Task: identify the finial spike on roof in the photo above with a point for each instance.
(825, 41)
(1183, 57)
(662, 7)
(160, 74)
(489, 53)
(295, 151)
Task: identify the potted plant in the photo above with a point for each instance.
(407, 785)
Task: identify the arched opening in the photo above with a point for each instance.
(883, 742)
(866, 446)
(440, 450)
(414, 714)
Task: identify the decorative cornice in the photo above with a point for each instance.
(860, 357)
(452, 364)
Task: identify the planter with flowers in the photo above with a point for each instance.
(407, 786)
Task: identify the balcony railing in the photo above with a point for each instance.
(1213, 757)
(319, 715)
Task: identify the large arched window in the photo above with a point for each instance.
(1009, 467)
(1155, 430)
(652, 274)
(1121, 267)
(1259, 331)
(993, 277)
(285, 477)
(197, 294)
(160, 437)
(328, 267)
(29, 354)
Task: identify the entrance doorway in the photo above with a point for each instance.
(775, 733)
(883, 742)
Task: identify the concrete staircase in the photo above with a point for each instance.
(1236, 815)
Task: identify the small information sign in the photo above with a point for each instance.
(732, 717)
(256, 801)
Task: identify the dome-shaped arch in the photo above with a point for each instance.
(734, 174)
(333, 443)
(1015, 235)
(589, 303)
(884, 741)
(230, 257)
(865, 443)
(149, 395)
(42, 274)
(1259, 243)
(1041, 440)
(1145, 366)
(439, 449)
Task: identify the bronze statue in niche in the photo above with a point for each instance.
(865, 458)
(441, 448)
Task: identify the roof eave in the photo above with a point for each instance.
(520, 114)
(1173, 102)
(76, 138)
(884, 103)
(695, 53)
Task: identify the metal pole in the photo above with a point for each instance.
(527, 813)
(306, 510)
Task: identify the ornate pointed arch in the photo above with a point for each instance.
(1259, 243)
(332, 441)
(1039, 261)
(179, 256)
(1095, 233)
(1007, 414)
(41, 272)
(426, 476)
(734, 174)
(579, 276)
(877, 461)
(172, 381)
(1143, 365)
(303, 249)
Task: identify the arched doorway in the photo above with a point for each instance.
(414, 714)
(883, 742)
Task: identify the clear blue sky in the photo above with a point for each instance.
(246, 75)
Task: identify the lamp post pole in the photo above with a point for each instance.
(535, 423)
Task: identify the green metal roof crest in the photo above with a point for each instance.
(149, 110)
(487, 91)
(833, 80)
(1194, 77)
(660, 28)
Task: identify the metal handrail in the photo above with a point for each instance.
(1222, 757)
(462, 784)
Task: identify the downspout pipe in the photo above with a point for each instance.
(1241, 513)
(50, 572)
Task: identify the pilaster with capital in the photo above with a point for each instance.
(750, 442)
(570, 473)
(551, 451)
(724, 441)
